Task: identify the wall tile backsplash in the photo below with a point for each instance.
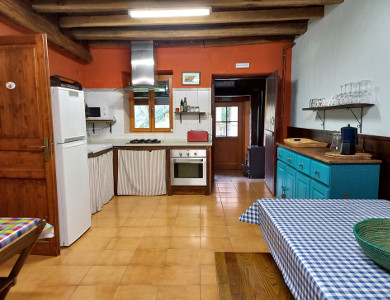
(120, 129)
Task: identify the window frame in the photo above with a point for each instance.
(226, 121)
(152, 104)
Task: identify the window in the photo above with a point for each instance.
(226, 121)
(151, 110)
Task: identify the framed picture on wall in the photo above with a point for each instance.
(190, 78)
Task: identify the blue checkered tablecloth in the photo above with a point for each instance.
(313, 244)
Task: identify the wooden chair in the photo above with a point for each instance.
(22, 245)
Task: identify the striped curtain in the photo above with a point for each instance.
(101, 180)
(141, 172)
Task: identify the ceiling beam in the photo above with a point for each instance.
(230, 17)
(77, 6)
(21, 15)
(192, 34)
(200, 43)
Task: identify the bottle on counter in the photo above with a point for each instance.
(181, 105)
(185, 104)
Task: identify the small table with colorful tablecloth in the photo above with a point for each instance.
(17, 235)
(313, 244)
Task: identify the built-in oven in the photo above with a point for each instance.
(188, 167)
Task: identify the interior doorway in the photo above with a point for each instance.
(245, 97)
(229, 140)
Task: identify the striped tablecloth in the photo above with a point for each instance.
(312, 242)
(12, 228)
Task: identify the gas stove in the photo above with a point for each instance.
(143, 141)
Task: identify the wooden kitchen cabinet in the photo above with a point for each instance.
(300, 175)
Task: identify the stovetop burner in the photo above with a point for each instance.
(143, 141)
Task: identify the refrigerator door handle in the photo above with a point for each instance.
(45, 147)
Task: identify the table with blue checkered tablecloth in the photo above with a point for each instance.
(313, 244)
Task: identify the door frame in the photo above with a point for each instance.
(213, 113)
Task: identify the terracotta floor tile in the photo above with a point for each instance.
(186, 231)
(131, 231)
(123, 243)
(185, 243)
(34, 275)
(216, 243)
(91, 243)
(149, 257)
(154, 243)
(81, 257)
(209, 292)
(214, 231)
(181, 275)
(66, 275)
(104, 275)
(142, 275)
(115, 258)
(102, 232)
(212, 213)
(179, 292)
(52, 293)
(241, 231)
(21, 291)
(233, 221)
(136, 222)
(168, 221)
(213, 221)
(207, 257)
(141, 214)
(208, 275)
(165, 213)
(108, 222)
(158, 231)
(187, 221)
(183, 257)
(137, 292)
(254, 244)
(94, 292)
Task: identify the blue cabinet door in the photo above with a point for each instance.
(290, 175)
(318, 190)
(302, 186)
(280, 174)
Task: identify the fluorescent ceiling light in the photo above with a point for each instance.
(167, 13)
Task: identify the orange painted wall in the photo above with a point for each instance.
(107, 66)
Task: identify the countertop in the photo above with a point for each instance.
(94, 148)
(319, 154)
(167, 143)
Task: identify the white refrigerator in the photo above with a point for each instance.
(71, 163)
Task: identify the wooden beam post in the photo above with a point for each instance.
(225, 17)
(20, 14)
(77, 6)
(192, 34)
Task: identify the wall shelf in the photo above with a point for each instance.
(346, 106)
(109, 122)
(199, 113)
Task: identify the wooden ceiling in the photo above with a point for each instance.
(73, 25)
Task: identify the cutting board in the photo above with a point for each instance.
(301, 142)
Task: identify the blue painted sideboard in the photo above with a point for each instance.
(302, 176)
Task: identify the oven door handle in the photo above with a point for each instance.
(188, 160)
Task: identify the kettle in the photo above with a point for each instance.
(349, 138)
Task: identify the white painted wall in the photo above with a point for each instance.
(351, 43)
(120, 130)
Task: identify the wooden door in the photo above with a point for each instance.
(229, 136)
(27, 169)
(271, 129)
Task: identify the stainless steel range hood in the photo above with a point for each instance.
(143, 66)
